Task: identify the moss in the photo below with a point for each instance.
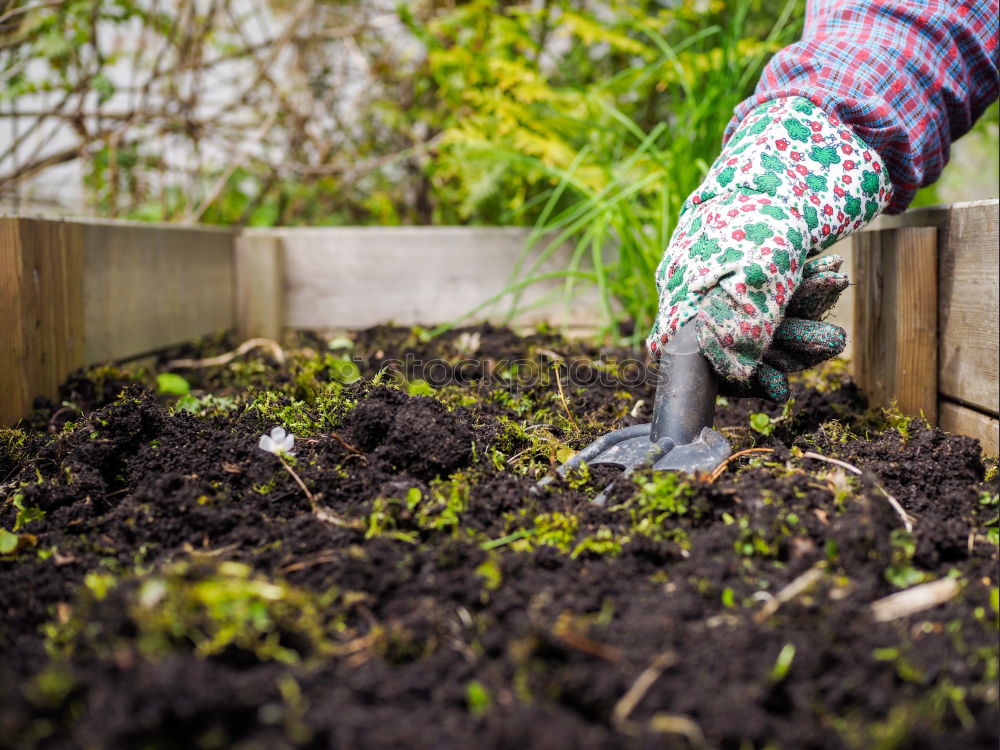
(211, 609)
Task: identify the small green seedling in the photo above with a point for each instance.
(762, 423)
(343, 370)
(420, 388)
(25, 515)
(169, 384)
(478, 698)
(783, 663)
(8, 542)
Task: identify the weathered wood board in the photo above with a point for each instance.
(960, 419)
(895, 318)
(968, 298)
(358, 277)
(260, 286)
(147, 287)
(41, 303)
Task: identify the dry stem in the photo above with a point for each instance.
(717, 472)
(224, 359)
(347, 446)
(641, 686)
(906, 518)
(914, 599)
(682, 725)
(562, 399)
(801, 584)
(320, 513)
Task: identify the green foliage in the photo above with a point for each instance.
(901, 572)
(170, 384)
(605, 165)
(477, 697)
(419, 388)
(207, 609)
(783, 664)
(762, 423)
(25, 515)
(321, 410)
(8, 542)
(205, 406)
(406, 519)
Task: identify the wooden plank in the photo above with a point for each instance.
(962, 420)
(344, 278)
(968, 298)
(895, 318)
(260, 286)
(12, 398)
(149, 287)
(969, 308)
(41, 324)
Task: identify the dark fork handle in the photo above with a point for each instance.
(685, 391)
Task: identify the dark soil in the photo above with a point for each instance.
(171, 585)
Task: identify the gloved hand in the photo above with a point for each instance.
(790, 182)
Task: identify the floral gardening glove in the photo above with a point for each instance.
(791, 182)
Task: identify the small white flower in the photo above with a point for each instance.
(277, 442)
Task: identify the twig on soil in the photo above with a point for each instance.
(303, 564)
(562, 399)
(914, 599)
(563, 630)
(321, 514)
(589, 646)
(512, 459)
(348, 447)
(906, 517)
(195, 552)
(640, 687)
(799, 585)
(682, 725)
(58, 413)
(224, 359)
(717, 472)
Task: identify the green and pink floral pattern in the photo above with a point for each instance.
(791, 182)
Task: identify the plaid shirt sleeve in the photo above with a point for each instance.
(908, 76)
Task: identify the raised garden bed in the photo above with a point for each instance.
(166, 583)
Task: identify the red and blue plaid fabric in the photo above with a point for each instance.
(909, 77)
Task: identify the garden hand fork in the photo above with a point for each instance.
(680, 437)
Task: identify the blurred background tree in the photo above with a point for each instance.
(270, 112)
(322, 112)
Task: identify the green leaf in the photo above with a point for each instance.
(420, 388)
(344, 371)
(8, 542)
(25, 515)
(103, 86)
(477, 697)
(169, 384)
(783, 663)
(188, 403)
(761, 423)
(341, 342)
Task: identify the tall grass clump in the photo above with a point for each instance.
(604, 166)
